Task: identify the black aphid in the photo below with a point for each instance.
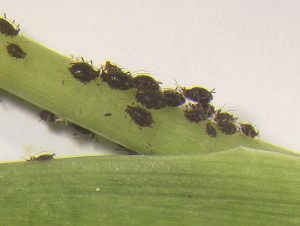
(140, 116)
(211, 131)
(8, 28)
(81, 130)
(108, 114)
(224, 117)
(83, 72)
(42, 157)
(47, 116)
(249, 130)
(116, 78)
(198, 94)
(146, 83)
(227, 127)
(151, 100)
(173, 98)
(15, 51)
(208, 109)
(195, 113)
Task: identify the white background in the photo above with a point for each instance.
(248, 50)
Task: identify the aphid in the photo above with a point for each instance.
(227, 127)
(173, 98)
(116, 78)
(208, 109)
(140, 116)
(81, 130)
(15, 51)
(47, 116)
(224, 117)
(146, 83)
(249, 130)
(198, 94)
(211, 131)
(42, 157)
(83, 72)
(194, 113)
(8, 28)
(110, 68)
(151, 100)
(108, 114)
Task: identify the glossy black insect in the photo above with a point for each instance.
(173, 98)
(211, 131)
(228, 128)
(108, 114)
(140, 116)
(198, 94)
(83, 72)
(224, 117)
(195, 113)
(146, 83)
(42, 157)
(15, 51)
(151, 100)
(8, 28)
(249, 130)
(116, 78)
(81, 130)
(47, 116)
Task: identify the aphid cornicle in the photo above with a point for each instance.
(15, 51)
(8, 28)
(140, 116)
(228, 128)
(83, 72)
(173, 98)
(116, 78)
(151, 100)
(198, 94)
(249, 130)
(211, 131)
(146, 83)
(42, 157)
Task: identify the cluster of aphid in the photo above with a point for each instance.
(10, 29)
(148, 93)
(151, 96)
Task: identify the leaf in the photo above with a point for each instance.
(235, 187)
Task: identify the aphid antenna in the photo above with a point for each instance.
(178, 86)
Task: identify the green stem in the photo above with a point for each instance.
(43, 79)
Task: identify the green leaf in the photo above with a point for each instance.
(235, 187)
(43, 79)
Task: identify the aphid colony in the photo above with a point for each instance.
(150, 95)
